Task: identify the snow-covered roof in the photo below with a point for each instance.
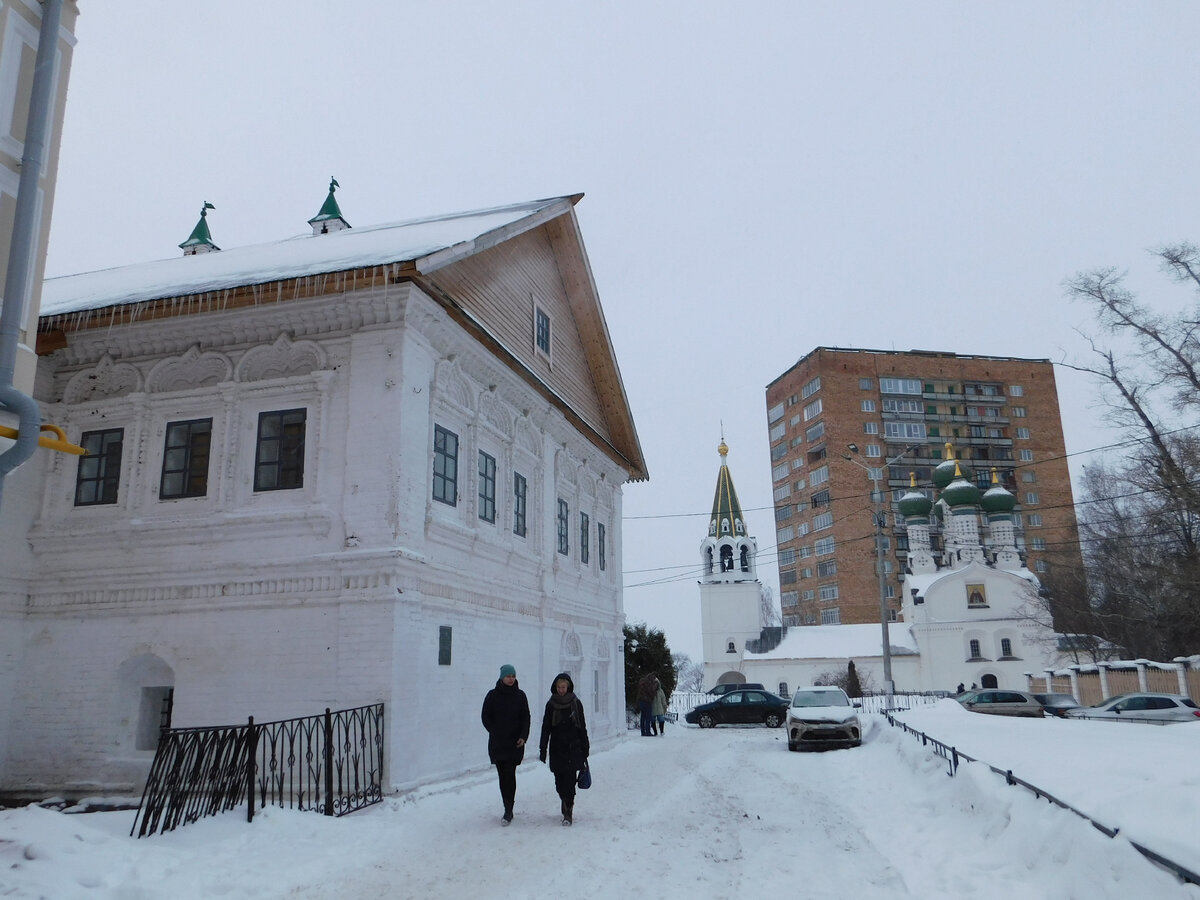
(840, 642)
(454, 235)
(922, 581)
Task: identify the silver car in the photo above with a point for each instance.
(1158, 708)
(822, 716)
(997, 702)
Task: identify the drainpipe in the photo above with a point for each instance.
(24, 238)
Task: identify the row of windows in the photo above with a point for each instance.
(278, 458)
(904, 386)
(896, 431)
(445, 490)
(899, 386)
(911, 386)
(1006, 649)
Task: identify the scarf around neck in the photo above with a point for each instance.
(563, 706)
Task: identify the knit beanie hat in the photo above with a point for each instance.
(506, 670)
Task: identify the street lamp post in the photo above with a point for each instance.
(876, 475)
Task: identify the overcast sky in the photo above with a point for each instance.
(760, 179)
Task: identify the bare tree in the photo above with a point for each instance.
(768, 612)
(1140, 516)
(689, 675)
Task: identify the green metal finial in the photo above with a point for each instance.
(330, 217)
(200, 236)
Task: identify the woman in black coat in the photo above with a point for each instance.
(565, 731)
(506, 717)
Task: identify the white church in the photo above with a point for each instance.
(359, 465)
(965, 617)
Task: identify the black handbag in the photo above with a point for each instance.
(585, 778)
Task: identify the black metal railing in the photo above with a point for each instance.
(953, 757)
(330, 764)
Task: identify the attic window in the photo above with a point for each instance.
(541, 331)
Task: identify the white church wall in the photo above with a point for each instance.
(227, 663)
(976, 602)
(22, 490)
(730, 614)
(279, 604)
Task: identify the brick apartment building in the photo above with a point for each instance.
(838, 416)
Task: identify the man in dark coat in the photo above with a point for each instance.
(506, 717)
(565, 732)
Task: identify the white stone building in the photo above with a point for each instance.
(355, 466)
(966, 614)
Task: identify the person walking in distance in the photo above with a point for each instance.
(564, 735)
(506, 717)
(658, 711)
(645, 699)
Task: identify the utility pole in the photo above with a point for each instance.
(876, 475)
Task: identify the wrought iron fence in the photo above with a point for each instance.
(330, 764)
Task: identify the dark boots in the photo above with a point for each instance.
(567, 808)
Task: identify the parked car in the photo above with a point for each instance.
(720, 690)
(741, 707)
(822, 716)
(1142, 708)
(998, 702)
(1057, 704)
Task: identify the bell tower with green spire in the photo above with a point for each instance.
(728, 552)
(730, 592)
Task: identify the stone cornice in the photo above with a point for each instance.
(79, 536)
(226, 326)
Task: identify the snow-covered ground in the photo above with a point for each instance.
(726, 813)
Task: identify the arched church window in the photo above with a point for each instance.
(726, 558)
(572, 647)
(741, 526)
(724, 526)
(730, 647)
(745, 558)
(712, 528)
(708, 561)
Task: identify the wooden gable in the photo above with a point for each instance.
(495, 291)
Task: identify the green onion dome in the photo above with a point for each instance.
(914, 504)
(960, 492)
(948, 469)
(997, 498)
